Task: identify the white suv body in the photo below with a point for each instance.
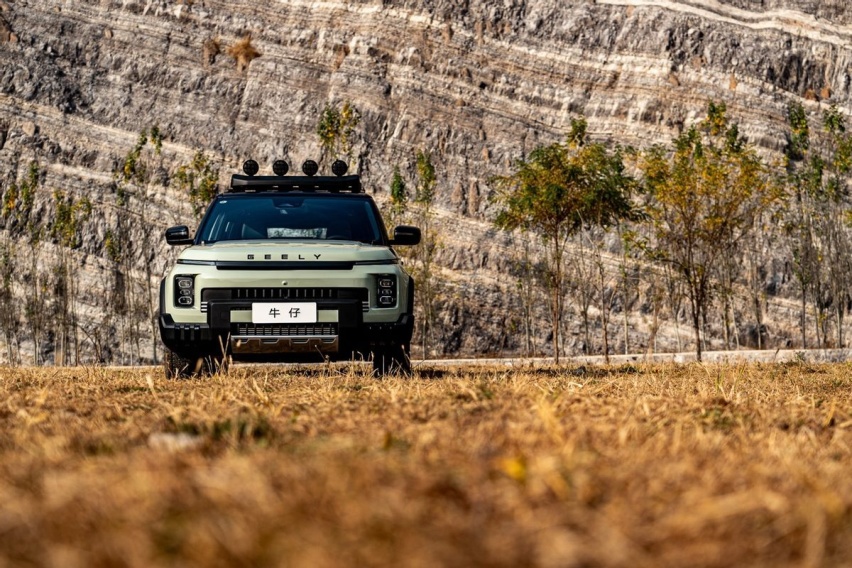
(288, 269)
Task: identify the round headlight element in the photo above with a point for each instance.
(339, 168)
(250, 167)
(310, 168)
(280, 167)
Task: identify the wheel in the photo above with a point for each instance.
(391, 361)
(178, 366)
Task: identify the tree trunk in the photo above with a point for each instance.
(557, 296)
(605, 306)
(804, 307)
(726, 323)
(555, 324)
(839, 312)
(626, 290)
(735, 329)
(626, 324)
(555, 305)
(697, 304)
(696, 325)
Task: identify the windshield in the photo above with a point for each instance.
(291, 217)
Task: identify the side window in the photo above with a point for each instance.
(214, 228)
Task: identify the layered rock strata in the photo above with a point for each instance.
(478, 83)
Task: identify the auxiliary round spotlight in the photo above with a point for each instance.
(280, 167)
(310, 168)
(250, 167)
(339, 167)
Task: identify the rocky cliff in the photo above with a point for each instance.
(477, 82)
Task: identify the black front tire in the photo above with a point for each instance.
(178, 366)
(391, 361)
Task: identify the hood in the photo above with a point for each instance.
(306, 251)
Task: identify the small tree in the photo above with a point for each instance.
(336, 130)
(799, 213)
(816, 217)
(632, 246)
(199, 180)
(23, 221)
(836, 220)
(706, 194)
(66, 231)
(423, 255)
(603, 284)
(130, 244)
(555, 192)
(527, 273)
(398, 198)
(8, 306)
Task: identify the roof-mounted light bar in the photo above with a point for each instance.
(309, 182)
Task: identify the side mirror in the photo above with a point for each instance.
(405, 235)
(177, 236)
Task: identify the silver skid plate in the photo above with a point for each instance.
(300, 344)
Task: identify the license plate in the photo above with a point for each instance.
(284, 312)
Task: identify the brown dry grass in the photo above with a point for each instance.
(243, 52)
(648, 466)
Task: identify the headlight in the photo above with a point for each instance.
(185, 291)
(386, 290)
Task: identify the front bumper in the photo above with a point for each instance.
(350, 320)
(348, 337)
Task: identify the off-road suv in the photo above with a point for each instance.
(288, 268)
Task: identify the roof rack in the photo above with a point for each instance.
(331, 184)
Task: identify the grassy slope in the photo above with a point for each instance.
(646, 466)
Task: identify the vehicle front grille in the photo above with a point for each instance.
(283, 330)
(284, 294)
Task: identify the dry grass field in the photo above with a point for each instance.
(667, 465)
